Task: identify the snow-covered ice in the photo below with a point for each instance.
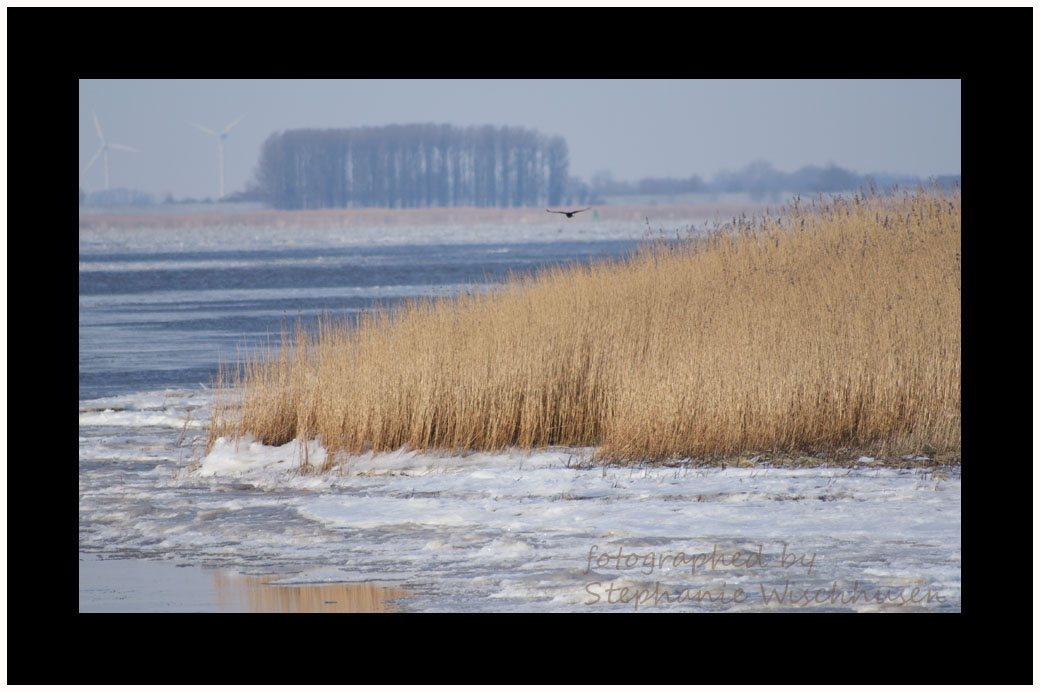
(522, 531)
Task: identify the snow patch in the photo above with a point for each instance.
(230, 457)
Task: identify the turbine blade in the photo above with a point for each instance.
(235, 122)
(204, 129)
(113, 145)
(93, 159)
(97, 125)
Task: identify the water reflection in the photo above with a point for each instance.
(238, 593)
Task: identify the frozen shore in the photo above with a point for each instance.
(520, 532)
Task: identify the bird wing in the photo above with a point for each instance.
(551, 211)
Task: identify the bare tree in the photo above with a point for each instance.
(412, 166)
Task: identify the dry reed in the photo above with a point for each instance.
(834, 325)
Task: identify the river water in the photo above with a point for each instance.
(163, 529)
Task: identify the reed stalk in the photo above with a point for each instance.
(825, 326)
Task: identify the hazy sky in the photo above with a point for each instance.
(632, 128)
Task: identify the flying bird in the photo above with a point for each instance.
(569, 214)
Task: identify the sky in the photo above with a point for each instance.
(629, 128)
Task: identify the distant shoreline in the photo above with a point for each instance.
(374, 216)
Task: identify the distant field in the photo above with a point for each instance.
(339, 218)
(835, 327)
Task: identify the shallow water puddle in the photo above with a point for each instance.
(136, 586)
(239, 593)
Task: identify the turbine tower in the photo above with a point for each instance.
(221, 136)
(104, 148)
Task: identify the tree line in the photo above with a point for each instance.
(412, 166)
(758, 179)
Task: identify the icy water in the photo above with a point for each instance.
(162, 529)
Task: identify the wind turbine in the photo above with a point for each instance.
(221, 136)
(103, 149)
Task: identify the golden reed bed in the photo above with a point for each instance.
(830, 327)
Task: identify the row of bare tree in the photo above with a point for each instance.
(412, 166)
